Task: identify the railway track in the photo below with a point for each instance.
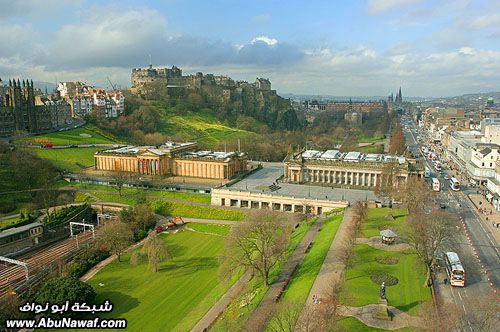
(38, 261)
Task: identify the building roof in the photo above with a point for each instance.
(19, 229)
(352, 156)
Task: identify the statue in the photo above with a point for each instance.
(382, 290)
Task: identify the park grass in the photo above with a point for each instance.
(8, 222)
(174, 298)
(353, 324)
(194, 211)
(70, 159)
(235, 316)
(115, 198)
(215, 229)
(375, 221)
(304, 277)
(359, 290)
(371, 148)
(87, 134)
(406, 295)
(188, 197)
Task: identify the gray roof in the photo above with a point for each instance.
(388, 233)
(19, 229)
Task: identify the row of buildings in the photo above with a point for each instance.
(24, 109)
(471, 140)
(330, 168)
(86, 100)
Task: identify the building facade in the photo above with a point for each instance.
(177, 159)
(21, 110)
(336, 169)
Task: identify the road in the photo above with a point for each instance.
(480, 254)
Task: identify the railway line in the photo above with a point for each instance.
(39, 261)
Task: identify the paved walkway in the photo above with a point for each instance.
(399, 320)
(217, 309)
(487, 219)
(268, 304)
(332, 269)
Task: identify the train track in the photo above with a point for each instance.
(39, 261)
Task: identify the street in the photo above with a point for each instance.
(475, 244)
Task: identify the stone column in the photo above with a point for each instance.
(352, 179)
(375, 180)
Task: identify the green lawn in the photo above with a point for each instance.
(352, 324)
(195, 211)
(188, 197)
(375, 221)
(71, 159)
(88, 134)
(359, 290)
(114, 197)
(174, 298)
(210, 228)
(304, 277)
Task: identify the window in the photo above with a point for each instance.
(491, 164)
(483, 164)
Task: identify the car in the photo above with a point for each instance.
(446, 177)
(442, 205)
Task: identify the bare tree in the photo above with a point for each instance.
(427, 233)
(486, 313)
(416, 195)
(258, 244)
(440, 316)
(388, 186)
(116, 236)
(156, 249)
(119, 179)
(285, 317)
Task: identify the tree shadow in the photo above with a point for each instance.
(188, 266)
(408, 306)
(122, 303)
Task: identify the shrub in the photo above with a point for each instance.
(384, 277)
(85, 261)
(137, 258)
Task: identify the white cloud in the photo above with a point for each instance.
(485, 21)
(376, 7)
(267, 40)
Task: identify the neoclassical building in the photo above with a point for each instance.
(178, 159)
(343, 169)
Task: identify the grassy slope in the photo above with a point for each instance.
(189, 197)
(91, 135)
(210, 228)
(68, 159)
(174, 298)
(408, 293)
(202, 127)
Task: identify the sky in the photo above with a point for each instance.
(344, 48)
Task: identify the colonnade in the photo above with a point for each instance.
(336, 177)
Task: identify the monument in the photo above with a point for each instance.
(381, 311)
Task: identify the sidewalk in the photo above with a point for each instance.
(266, 307)
(486, 218)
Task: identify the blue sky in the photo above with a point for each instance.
(369, 47)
